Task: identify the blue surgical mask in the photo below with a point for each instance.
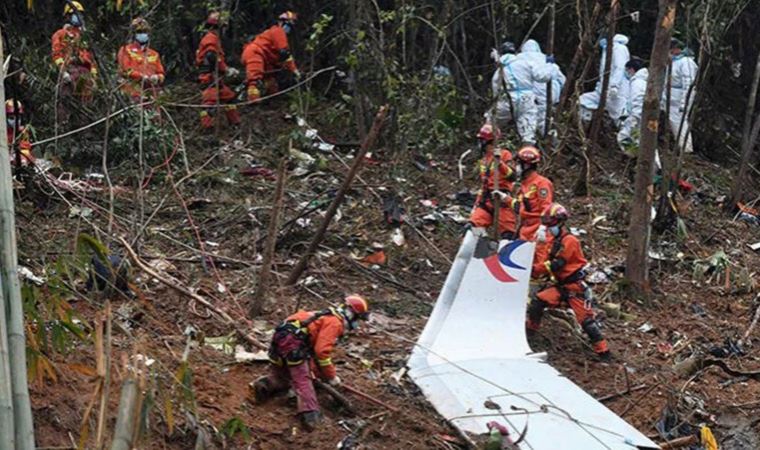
(11, 123)
(603, 43)
(628, 75)
(554, 230)
(142, 38)
(287, 27)
(75, 20)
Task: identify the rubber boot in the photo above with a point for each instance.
(311, 419)
(262, 390)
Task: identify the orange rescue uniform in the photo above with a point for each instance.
(323, 335)
(72, 56)
(267, 53)
(482, 213)
(563, 265)
(136, 62)
(209, 58)
(536, 193)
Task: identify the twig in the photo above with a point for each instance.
(340, 398)
(620, 394)
(638, 400)
(177, 286)
(753, 324)
(369, 398)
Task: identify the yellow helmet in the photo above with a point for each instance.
(288, 16)
(140, 25)
(72, 7)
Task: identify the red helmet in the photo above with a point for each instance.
(10, 107)
(529, 154)
(213, 18)
(554, 214)
(489, 133)
(288, 16)
(358, 305)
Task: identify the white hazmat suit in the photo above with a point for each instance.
(683, 75)
(531, 49)
(629, 131)
(519, 73)
(589, 101)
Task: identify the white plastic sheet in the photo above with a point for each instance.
(473, 350)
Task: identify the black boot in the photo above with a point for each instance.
(310, 420)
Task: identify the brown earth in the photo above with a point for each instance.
(236, 217)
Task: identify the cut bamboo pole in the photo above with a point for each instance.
(22, 409)
(128, 412)
(104, 373)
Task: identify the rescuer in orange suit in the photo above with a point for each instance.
(74, 61)
(536, 191)
(140, 68)
(17, 133)
(210, 60)
(564, 267)
(482, 213)
(266, 54)
(302, 345)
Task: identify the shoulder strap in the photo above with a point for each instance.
(557, 246)
(316, 316)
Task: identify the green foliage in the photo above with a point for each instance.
(317, 30)
(235, 427)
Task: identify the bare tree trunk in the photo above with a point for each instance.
(549, 84)
(259, 297)
(333, 208)
(581, 53)
(747, 141)
(600, 110)
(11, 293)
(637, 262)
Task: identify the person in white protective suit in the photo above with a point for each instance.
(683, 74)
(636, 76)
(615, 105)
(518, 73)
(531, 49)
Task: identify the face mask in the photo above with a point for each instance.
(483, 145)
(142, 38)
(287, 27)
(75, 20)
(11, 123)
(603, 43)
(519, 170)
(554, 230)
(628, 75)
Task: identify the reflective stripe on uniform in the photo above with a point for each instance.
(324, 362)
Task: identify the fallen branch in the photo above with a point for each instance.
(340, 398)
(752, 325)
(679, 443)
(369, 398)
(333, 208)
(177, 286)
(620, 394)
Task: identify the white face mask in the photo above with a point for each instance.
(554, 230)
(518, 170)
(142, 38)
(76, 21)
(11, 123)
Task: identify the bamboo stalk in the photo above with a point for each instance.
(6, 399)
(104, 372)
(128, 411)
(22, 409)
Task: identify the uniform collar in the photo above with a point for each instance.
(531, 176)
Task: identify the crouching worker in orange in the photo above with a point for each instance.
(482, 213)
(564, 268)
(210, 60)
(266, 55)
(140, 68)
(303, 344)
(17, 133)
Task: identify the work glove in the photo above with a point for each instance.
(613, 91)
(232, 72)
(334, 382)
(154, 79)
(541, 234)
(145, 79)
(504, 197)
(550, 59)
(66, 77)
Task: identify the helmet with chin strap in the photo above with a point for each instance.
(353, 309)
